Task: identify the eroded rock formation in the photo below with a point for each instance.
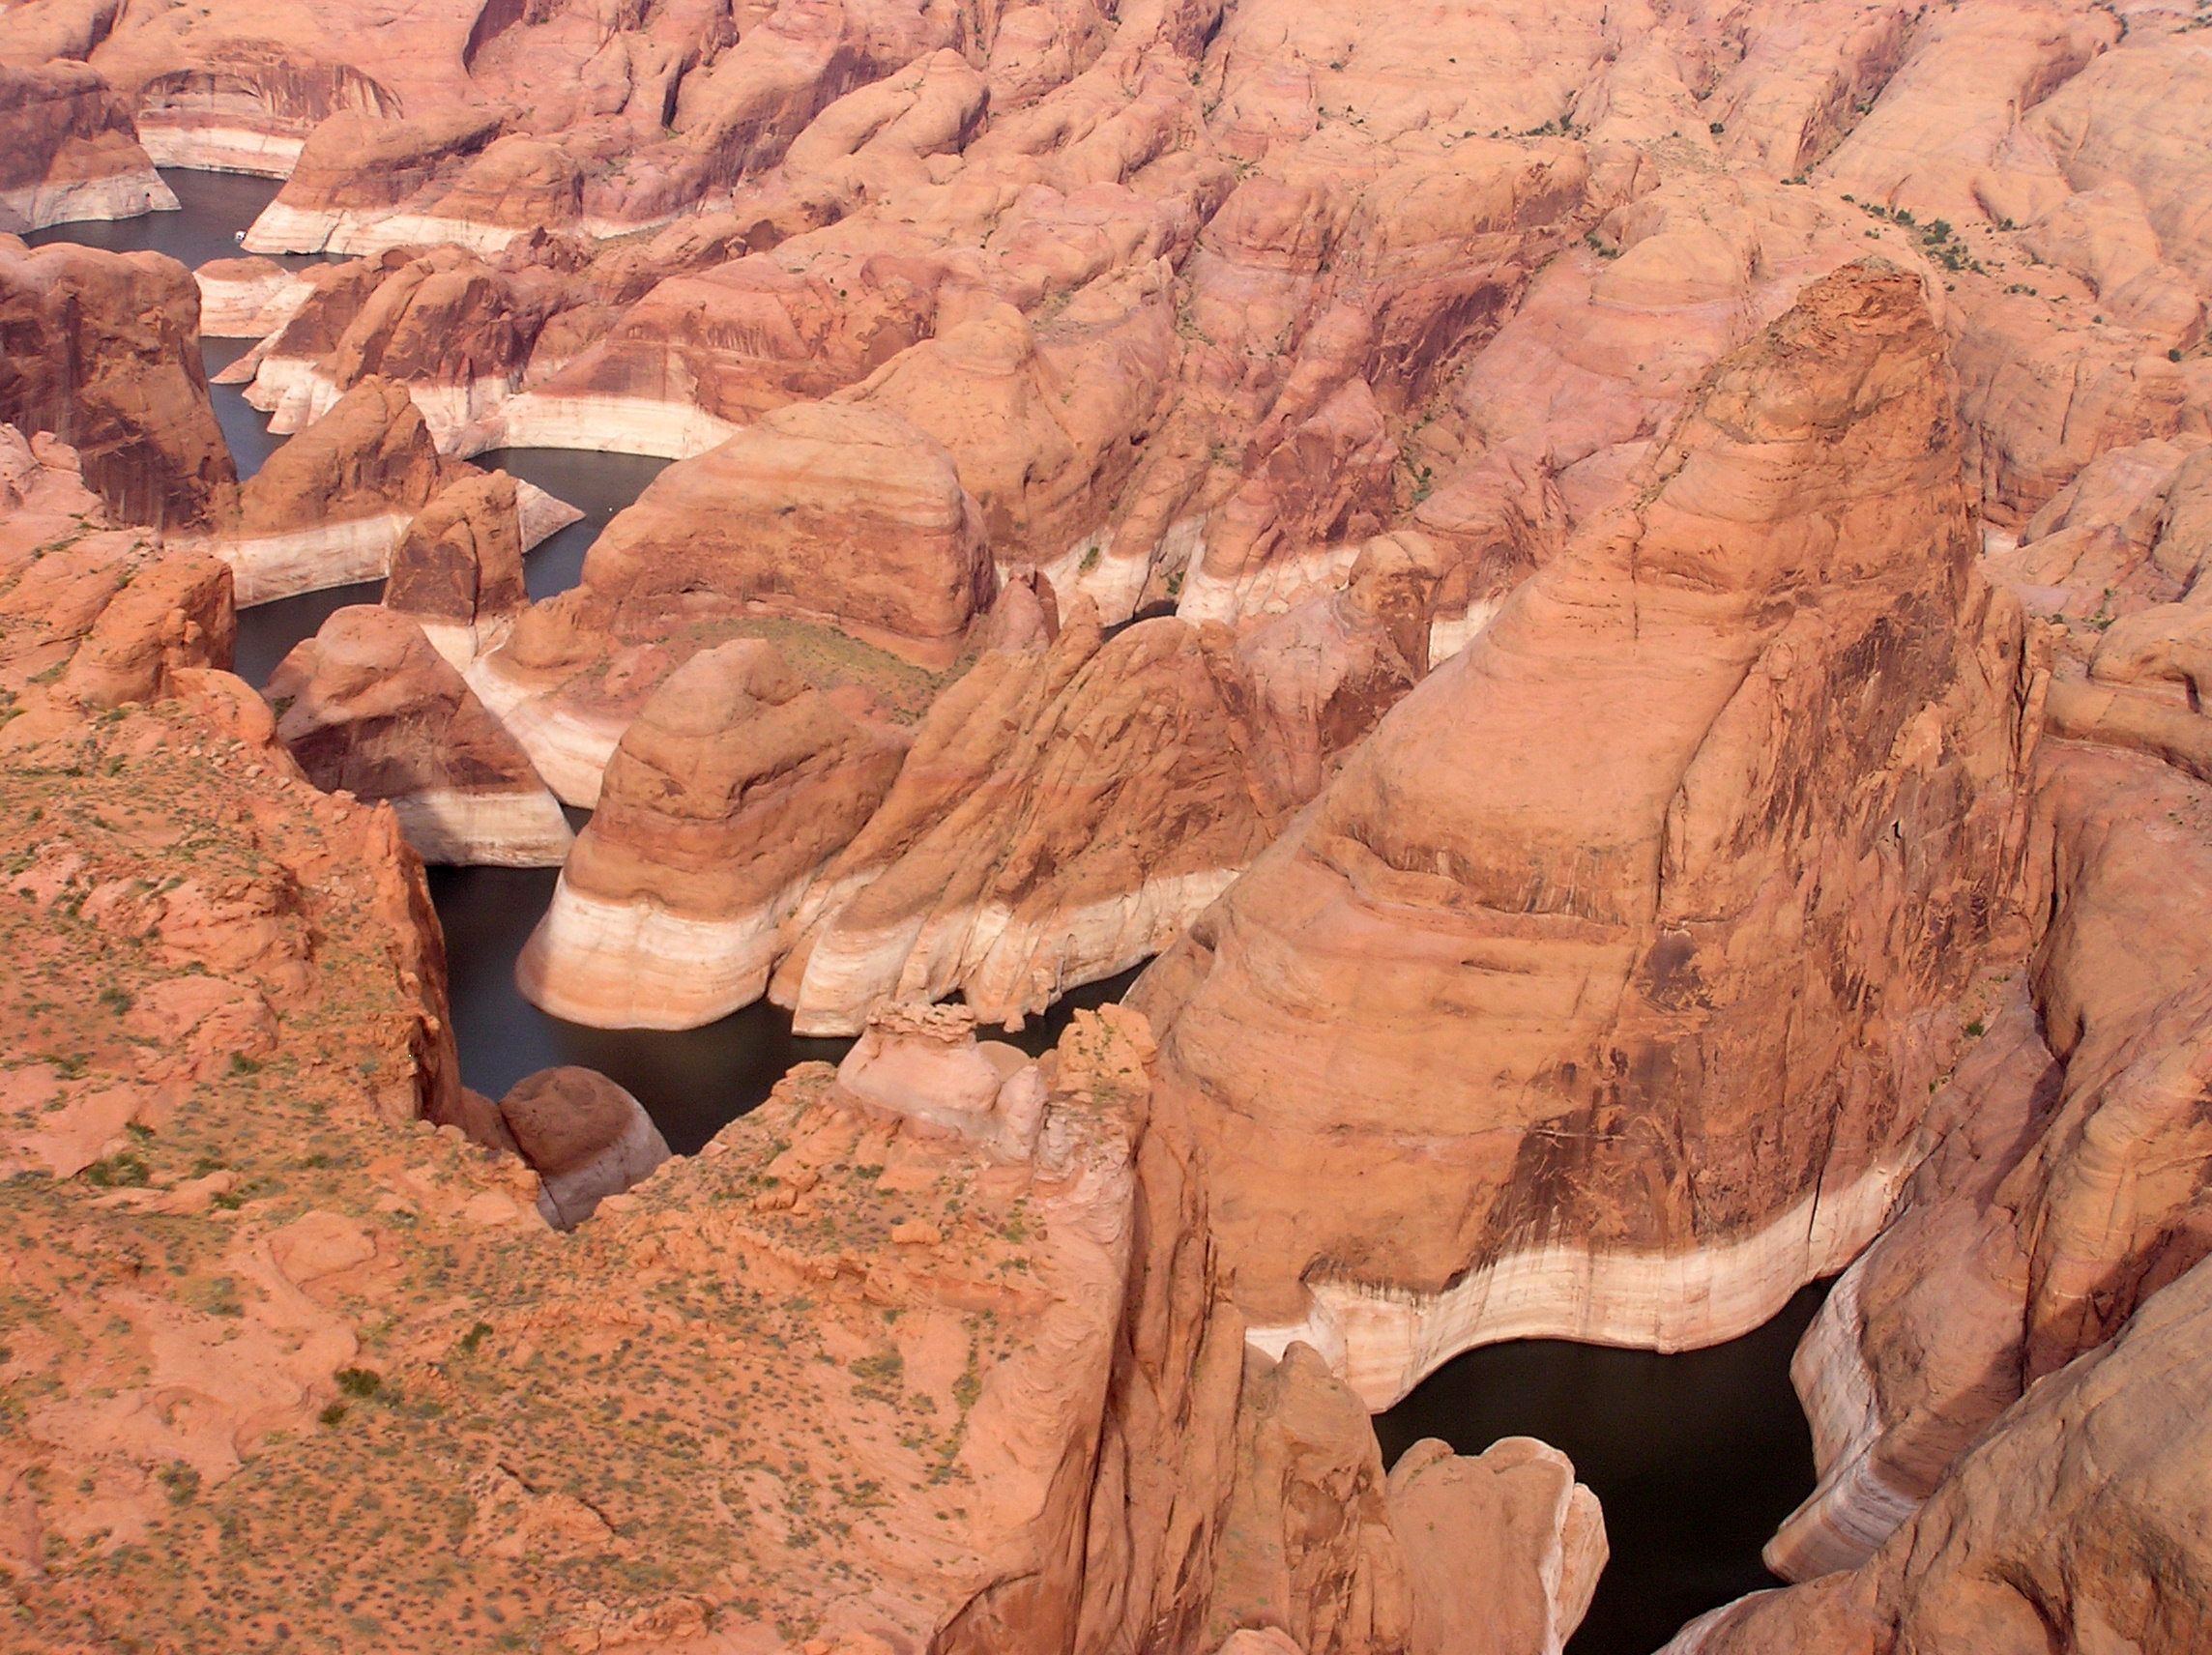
(367, 706)
(1531, 963)
(68, 151)
(584, 1137)
(735, 785)
(102, 351)
(1613, 986)
(334, 506)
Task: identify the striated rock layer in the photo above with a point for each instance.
(369, 706)
(102, 351)
(336, 503)
(1066, 809)
(1652, 973)
(2079, 1520)
(736, 782)
(68, 151)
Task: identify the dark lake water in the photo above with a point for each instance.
(216, 206)
(1695, 1457)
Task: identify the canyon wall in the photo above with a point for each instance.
(1642, 915)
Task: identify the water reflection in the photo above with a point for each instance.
(1696, 1458)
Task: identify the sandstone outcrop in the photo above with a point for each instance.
(821, 514)
(1571, 933)
(334, 506)
(458, 569)
(92, 616)
(368, 707)
(584, 1137)
(68, 151)
(102, 351)
(355, 163)
(458, 329)
(1063, 812)
(2064, 1184)
(328, 508)
(838, 531)
(1613, 985)
(735, 785)
(248, 298)
(1469, 1592)
(2079, 1518)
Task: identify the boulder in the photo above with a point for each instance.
(584, 1136)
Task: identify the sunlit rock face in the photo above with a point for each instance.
(1619, 589)
(1638, 915)
(102, 352)
(69, 151)
(736, 782)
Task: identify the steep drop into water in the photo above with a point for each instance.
(1696, 1458)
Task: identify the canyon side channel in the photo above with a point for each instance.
(1182, 828)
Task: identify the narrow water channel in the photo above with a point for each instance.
(1695, 1457)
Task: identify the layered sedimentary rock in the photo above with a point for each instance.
(328, 508)
(1066, 809)
(838, 527)
(1471, 1594)
(2078, 1519)
(821, 514)
(458, 329)
(458, 569)
(102, 351)
(2065, 1187)
(735, 785)
(368, 706)
(357, 162)
(1588, 867)
(1447, 1555)
(92, 616)
(584, 1137)
(248, 298)
(334, 506)
(68, 151)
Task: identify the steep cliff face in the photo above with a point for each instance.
(2079, 1519)
(1066, 810)
(1596, 897)
(458, 569)
(2068, 1180)
(735, 785)
(102, 351)
(367, 706)
(336, 504)
(68, 151)
(821, 514)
